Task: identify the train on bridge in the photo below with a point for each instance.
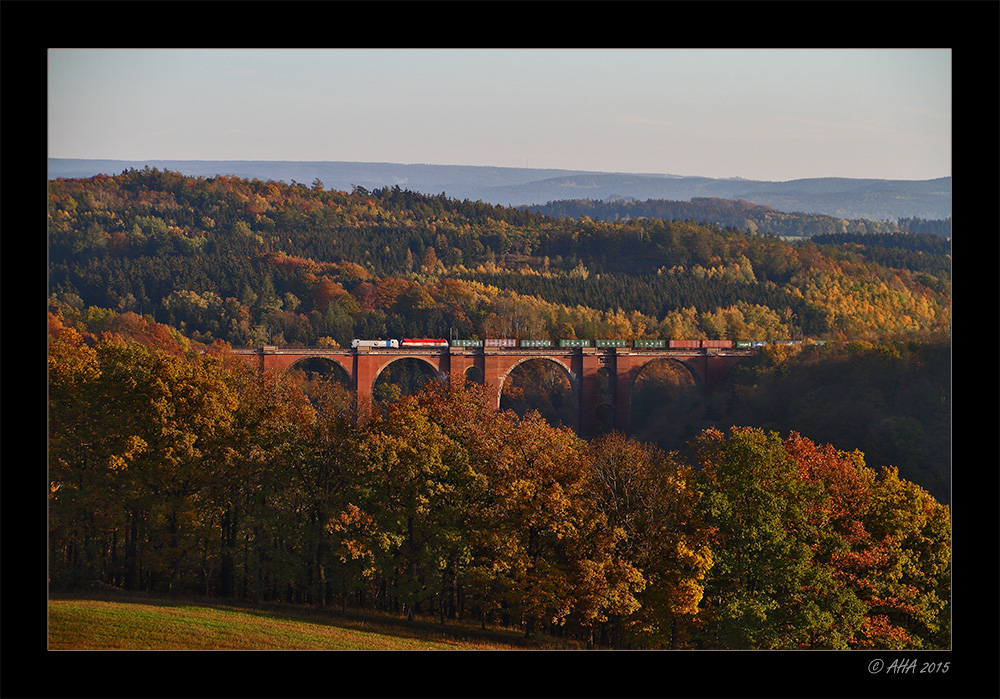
(512, 343)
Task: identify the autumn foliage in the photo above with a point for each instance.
(177, 468)
(252, 263)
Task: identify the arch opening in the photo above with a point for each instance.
(312, 372)
(665, 396)
(403, 377)
(544, 385)
(474, 374)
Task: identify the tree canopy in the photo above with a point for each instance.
(188, 472)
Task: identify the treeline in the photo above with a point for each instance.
(253, 262)
(739, 214)
(185, 471)
(936, 227)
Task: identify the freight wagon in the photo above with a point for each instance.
(574, 343)
(610, 343)
(536, 343)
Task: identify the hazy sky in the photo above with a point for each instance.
(770, 114)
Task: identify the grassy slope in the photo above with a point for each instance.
(105, 623)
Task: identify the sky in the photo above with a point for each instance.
(763, 114)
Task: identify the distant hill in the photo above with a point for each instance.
(738, 214)
(847, 198)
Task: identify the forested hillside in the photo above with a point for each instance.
(510, 186)
(173, 466)
(254, 262)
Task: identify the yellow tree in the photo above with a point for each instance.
(256, 484)
(908, 581)
(134, 437)
(651, 498)
(84, 455)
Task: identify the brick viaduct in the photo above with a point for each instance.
(613, 369)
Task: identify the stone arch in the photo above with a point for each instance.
(564, 370)
(696, 378)
(662, 391)
(573, 379)
(310, 365)
(474, 374)
(435, 368)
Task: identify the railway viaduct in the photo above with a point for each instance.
(601, 378)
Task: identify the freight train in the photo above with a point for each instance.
(395, 344)
(511, 343)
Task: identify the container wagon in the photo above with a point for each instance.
(650, 344)
(536, 343)
(717, 343)
(610, 343)
(743, 344)
(685, 344)
(500, 342)
(466, 343)
(374, 343)
(574, 343)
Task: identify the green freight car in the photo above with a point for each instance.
(610, 343)
(466, 343)
(574, 343)
(650, 344)
(536, 343)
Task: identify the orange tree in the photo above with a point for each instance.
(812, 549)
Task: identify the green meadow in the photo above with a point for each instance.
(105, 623)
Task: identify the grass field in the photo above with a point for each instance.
(104, 622)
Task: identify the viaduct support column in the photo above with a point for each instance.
(587, 419)
(623, 391)
(458, 363)
(492, 374)
(364, 380)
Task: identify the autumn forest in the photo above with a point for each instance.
(805, 504)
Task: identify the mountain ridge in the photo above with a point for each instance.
(868, 198)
